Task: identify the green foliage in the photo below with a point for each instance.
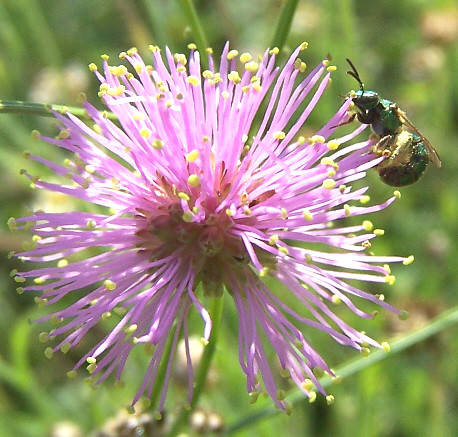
(406, 51)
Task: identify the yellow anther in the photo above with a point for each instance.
(307, 384)
(252, 67)
(245, 57)
(390, 279)
(329, 184)
(145, 133)
(194, 180)
(187, 217)
(368, 225)
(193, 80)
(409, 260)
(333, 145)
(307, 215)
(365, 199)
(386, 347)
(279, 135)
(184, 196)
(192, 156)
(109, 285)
(157, 144)
(273, 240)
(379, 232)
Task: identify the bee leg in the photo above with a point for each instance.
(350, 119)
(382, 146)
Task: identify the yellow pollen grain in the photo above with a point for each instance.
(184, 196)
(181, 58)
(273, 239)
(284, 213)
(92, 67)
(333, 145)
(379, 232)
(72, 374)
(307, 384)
(43, 337)
(329, 184)
(279, 135)
(368, 225)
(194, 180)
(304, 45)
(187, 217)
(207, 74)
(192, 156)
(62, 263)
(39, 280)
(252, 67)
(331, 68)
(397, 194)
(330, 399)
(264, 272)
(317, 139)
(307, 215)
(109, 285)
(331, 173)
(192, 46)
(91, 224)
(301, 140)
(390, 279)
(365, 199)
(232, 54)
(245, 57)
(229, 212)
(347, 210)
(234, 76)
(336, 299)
(193, 80)
(49, 353)
(409, 260)
(157, 144)
(145, 133)
(225, 95)
(386, 347)
(283, 250)
(90, 168)
(325, 62)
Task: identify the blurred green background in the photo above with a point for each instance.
(407, 51)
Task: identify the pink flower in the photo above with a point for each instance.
(201, 199)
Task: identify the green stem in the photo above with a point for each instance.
(197, 29)
(440, 323)
(216, 310)
(42, 109)
(284, 23)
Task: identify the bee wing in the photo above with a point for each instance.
(433, 155)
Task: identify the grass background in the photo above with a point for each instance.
(407, 51)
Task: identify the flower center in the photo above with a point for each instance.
(205, 245)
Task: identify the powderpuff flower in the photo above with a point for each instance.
(207, 188)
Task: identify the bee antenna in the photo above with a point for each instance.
(354, 73)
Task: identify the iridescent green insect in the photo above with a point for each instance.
(406, 149)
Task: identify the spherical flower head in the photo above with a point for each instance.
(207, 189)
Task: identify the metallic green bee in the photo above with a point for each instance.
(406, 149)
